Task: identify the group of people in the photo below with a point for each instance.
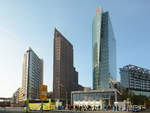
(80, 108)
(93, 108)
(86, 108)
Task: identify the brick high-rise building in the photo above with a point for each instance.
(65, 77)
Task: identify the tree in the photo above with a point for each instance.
(135, 99)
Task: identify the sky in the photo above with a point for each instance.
(25, 23)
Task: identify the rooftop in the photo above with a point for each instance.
(136, 68)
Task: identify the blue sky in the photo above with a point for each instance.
(25, 23)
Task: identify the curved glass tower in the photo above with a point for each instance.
(104, 51)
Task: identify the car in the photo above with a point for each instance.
(143, 108)
(135, 109)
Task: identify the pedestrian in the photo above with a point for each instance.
(121, 108)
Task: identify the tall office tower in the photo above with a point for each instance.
(32, 75)
(104, 51)
(64, 72)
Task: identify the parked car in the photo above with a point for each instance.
(143, 108)
(135, 109)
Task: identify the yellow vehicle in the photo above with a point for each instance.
(36, 105)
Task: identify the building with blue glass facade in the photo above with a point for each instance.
(104, 51)
(104, 65)
(95, 97)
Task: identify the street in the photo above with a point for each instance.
(147, 111)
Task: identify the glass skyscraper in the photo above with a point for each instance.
(104, 51)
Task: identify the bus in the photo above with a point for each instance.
(36, 105)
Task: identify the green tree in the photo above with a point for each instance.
(135, 99)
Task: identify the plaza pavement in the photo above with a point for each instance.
(20, 110)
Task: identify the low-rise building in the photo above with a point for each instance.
(135, 79)
(96, 98)
(21, 95)
(15, 98)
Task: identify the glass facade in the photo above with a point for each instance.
(104, 51)
(135, 79)
(94, 97)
